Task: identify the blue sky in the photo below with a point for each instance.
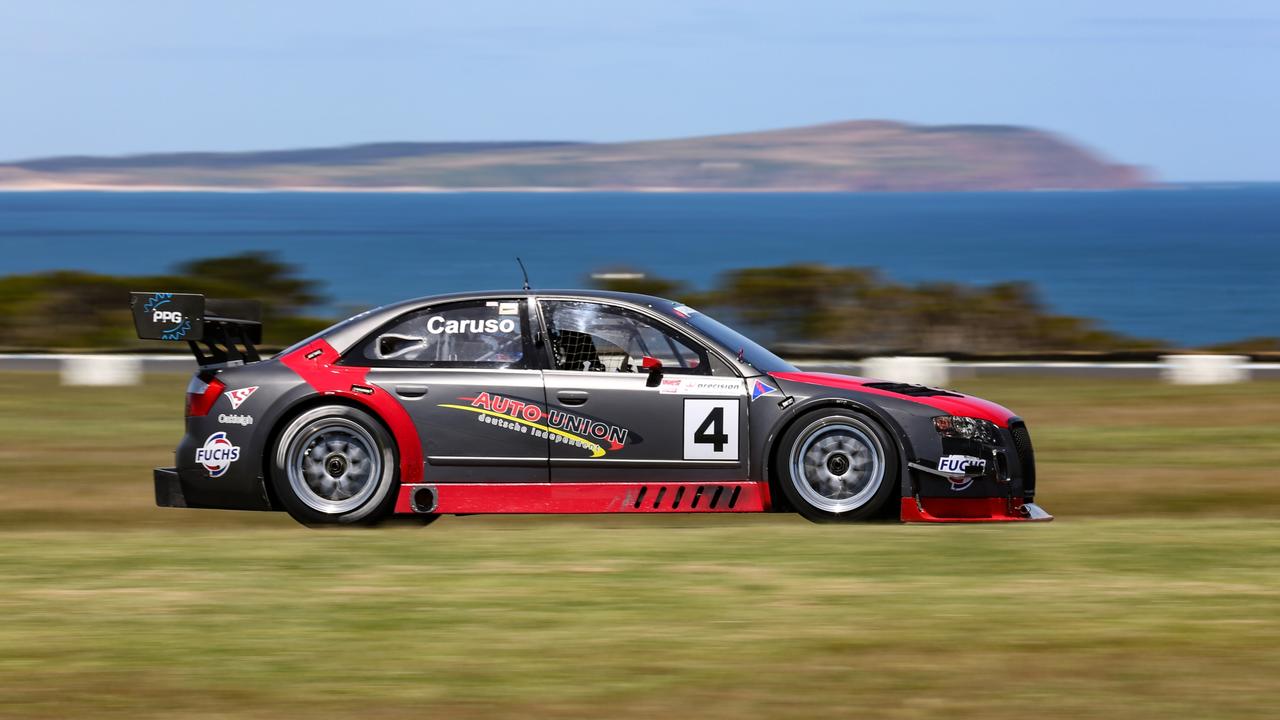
(1188, 89)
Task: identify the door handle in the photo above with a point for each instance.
(572, 397)
(411, 391)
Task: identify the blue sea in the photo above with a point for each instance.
(1191, 266)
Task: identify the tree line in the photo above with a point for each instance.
(798, 307)
(858, 309)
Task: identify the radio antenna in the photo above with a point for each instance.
(523, 272)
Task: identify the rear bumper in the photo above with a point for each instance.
(168, 488)
(979, 509)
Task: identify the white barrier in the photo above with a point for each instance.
(101, 370)
(1204, 369)
(932, 371)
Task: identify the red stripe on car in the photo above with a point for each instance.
(965, 405)
(320, 372)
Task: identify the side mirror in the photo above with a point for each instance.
(653, 366)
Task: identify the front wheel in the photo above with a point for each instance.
(837, 466)
(335, 465)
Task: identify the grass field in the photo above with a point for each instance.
(83, 456)
(1155, 594)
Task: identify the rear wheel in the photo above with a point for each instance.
(837, 466)
(335, 465)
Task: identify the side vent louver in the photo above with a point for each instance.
(704, 498)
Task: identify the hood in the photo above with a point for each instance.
(964, 405)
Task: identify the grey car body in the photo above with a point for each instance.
(632, 424)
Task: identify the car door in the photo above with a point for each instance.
(612, 421)
(467, 374)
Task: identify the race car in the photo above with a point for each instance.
(564, 402)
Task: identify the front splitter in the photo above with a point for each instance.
(970, 510)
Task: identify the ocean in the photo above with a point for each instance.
(1191, 266)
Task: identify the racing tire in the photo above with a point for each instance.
(836, 465)
(335, 465)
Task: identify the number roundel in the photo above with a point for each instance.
(711, 429)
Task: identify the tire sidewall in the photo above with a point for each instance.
(373, 510)
(889, 484)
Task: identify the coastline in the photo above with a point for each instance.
(429, 190)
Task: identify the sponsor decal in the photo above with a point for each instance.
(558, 426)
(699, 386)
(237, 397)
(437, 325)
(759, 388)
(217, 454)
(155, 307)
(508, 308)
(958, 467)
(362, 389)
(242, 420)
(684, 311)
(314, 354)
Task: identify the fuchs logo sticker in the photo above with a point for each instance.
(237, 397)
(217, 454)
(958, 467)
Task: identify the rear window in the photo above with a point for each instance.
(471, 334)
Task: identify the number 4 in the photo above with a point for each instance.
(711, 429)
(711, 432)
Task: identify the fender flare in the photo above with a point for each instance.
(794, 413)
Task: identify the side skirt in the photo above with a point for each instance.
(482, 498)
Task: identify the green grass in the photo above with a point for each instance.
(1104, 448)
(641, 617)
(1155, 594)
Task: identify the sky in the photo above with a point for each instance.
(1187, 89)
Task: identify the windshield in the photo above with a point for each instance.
(730, 340)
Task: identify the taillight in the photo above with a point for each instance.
(202, 395)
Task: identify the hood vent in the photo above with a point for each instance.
(910, 390)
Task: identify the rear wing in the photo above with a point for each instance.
(219, 332)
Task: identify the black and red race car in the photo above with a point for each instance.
(564, 402)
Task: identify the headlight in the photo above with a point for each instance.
(983, 431)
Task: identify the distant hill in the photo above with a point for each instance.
(868, 155)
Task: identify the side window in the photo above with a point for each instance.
(472, 334)
(604, 338)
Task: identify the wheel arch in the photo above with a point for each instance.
(300, 406)
(901, 442)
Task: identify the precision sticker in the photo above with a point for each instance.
(237, 397)
(699, 386)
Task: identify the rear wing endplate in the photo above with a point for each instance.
(219, 332)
